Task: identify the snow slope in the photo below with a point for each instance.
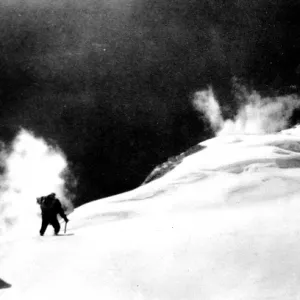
(223, 224)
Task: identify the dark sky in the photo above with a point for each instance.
(111, 81)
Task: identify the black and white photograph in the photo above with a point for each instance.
(150, 149)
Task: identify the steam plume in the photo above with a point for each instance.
(32, 169)
(256, 115)
(206, 103)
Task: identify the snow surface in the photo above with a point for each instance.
(224, 224)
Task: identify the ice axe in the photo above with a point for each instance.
(65, 227)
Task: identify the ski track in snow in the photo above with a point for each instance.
(224, 224)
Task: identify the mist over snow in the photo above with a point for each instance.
(206, 103)
(256, 114)
(31, 168)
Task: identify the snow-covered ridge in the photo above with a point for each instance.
(279, 141)
(255, 158)
(164, 168)
(222, 224)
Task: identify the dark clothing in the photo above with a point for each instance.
(52, 221)
(51, 207)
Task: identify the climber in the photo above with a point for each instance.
(50, 208)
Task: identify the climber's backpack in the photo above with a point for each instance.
(47, 204)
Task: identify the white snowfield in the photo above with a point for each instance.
(224, 224)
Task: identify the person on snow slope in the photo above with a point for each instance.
(50, 208)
